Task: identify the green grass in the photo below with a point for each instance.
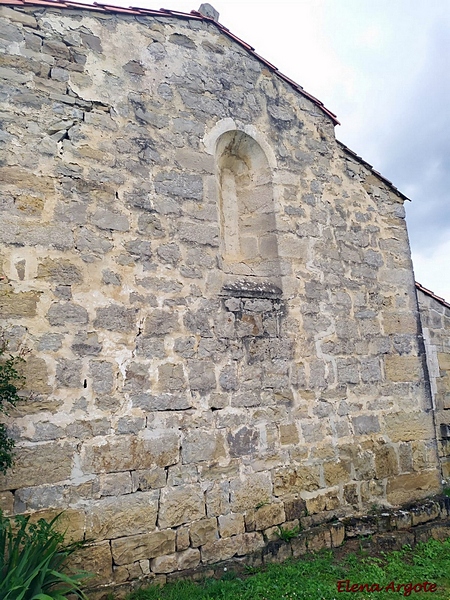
(316, 577)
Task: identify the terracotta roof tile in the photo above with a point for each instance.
(432, 295)
(165, 12)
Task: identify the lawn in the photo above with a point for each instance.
(427, 567)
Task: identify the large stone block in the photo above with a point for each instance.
(181, 504)
(403, 368)
(199, 445)
(203, 531)
(18, 305)
(122, 516)
(407, 427)
(39, 464)
(126, 453)
(116, 318)
(95, 559)
(249, 491)
(140, 547)
(413, 486)
(290, 480)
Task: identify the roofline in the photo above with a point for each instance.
(432, 295)
(164, 12)
(374, 171)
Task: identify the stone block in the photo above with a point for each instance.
(199, 445)
(386, 461)
(115, 484)
(160, 322)
(365, 424)
(39, 464)
(249, 491)
(139, 547)
(60, 271)
(148, 479)
(116, 318)
(231, 524)
(202, 376)
(125, 453)
(226, 548)
(425, 513)
(266, 516)
(403, 368)
(206, 235)
(294, 480)
(336, 473)
(102, 375)
(183, 541)
(318, 539)
(399, 323)
(164, 564)
(71, 522)
(67, 313)
(181, 504)
(106, 219)
(413, 486)
(6, 498)
(407, 427)
(36, 375)
(245, 441)
(16, 306)
(337, 532)
(188, 559)
(203, 531)
(95, 559)
(294, 509)
(68, 373)
(298, 546)
(122, 516)
(288, 434)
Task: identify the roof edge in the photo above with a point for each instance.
(431, 294)
(371, 168)
(165, 12)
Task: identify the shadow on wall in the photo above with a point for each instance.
(247, 214)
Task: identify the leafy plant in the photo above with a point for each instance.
(10, 383)
(288, 534)
(32, 557)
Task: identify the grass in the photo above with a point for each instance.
(316, 578)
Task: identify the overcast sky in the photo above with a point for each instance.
(383, 66)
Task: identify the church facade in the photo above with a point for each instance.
(218, 296)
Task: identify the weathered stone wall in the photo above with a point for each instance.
(435, 319)
(196, 380)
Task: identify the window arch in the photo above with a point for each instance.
(247, 217)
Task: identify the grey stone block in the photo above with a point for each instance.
(68, 373)
(116, 318)
(62, 313)
(102, 374)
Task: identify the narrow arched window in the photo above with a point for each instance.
(248, 226)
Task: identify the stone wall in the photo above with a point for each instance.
(207, 362)
(435, 319)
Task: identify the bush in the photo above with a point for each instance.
(32, 558)
(10, 383)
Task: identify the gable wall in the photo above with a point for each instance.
(178, 413)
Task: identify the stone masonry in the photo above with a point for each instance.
(435, 320)
(218, 296)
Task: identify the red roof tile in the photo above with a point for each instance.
(432, 295)
(164, 12)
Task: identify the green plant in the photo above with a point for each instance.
(32, 558)
(10, 383)
(288, 534)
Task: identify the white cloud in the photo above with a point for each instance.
(432, 270)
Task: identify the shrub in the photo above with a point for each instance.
(32, 558)
(10, 383)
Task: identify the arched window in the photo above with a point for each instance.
(247, 217)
